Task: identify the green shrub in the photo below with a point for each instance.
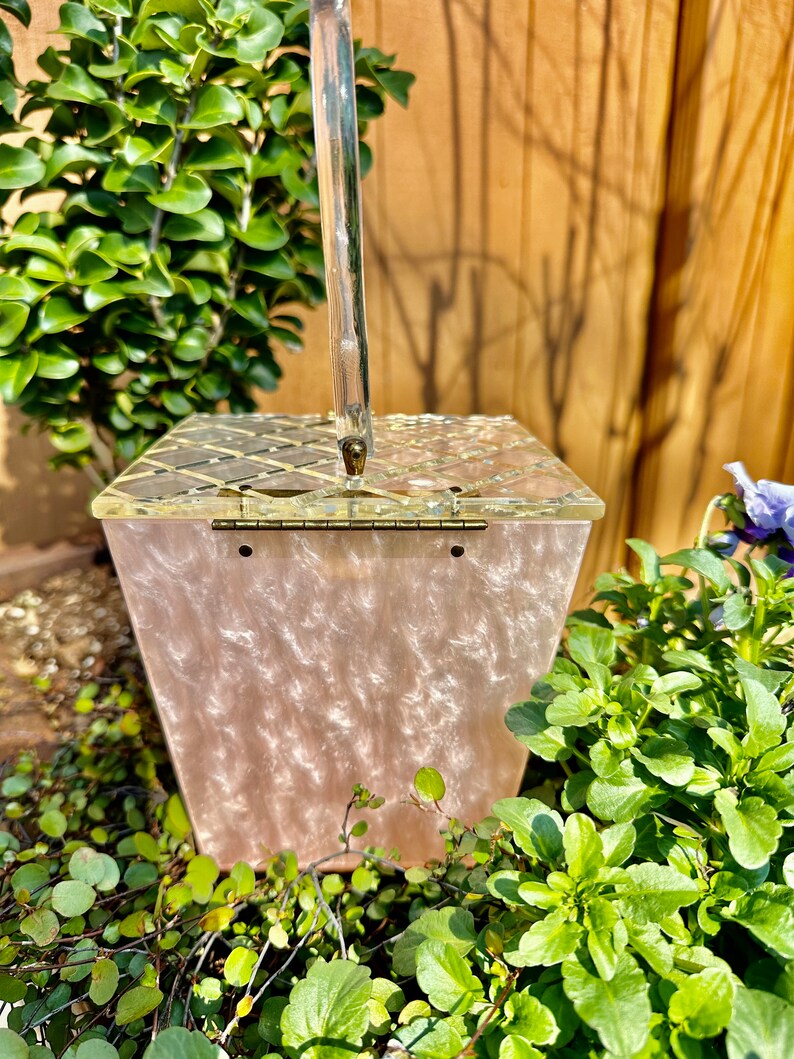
(179, 140)
(636, 901)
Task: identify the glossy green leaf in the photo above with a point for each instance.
(259, 32)
(176, 402)
(146, 846)
(429, 1038)
(575, 708)
(527, 721)
(530, 1019)
(59, 363)
(202, 871)
(264, 233)
(547, 942)
(20, 9)
(262, 373)
(19, 167)
(177, 821)
(137, 1003)
(59, 314)
(779, 759)
(765, 718)
(675, 683)
(205, 226)
(53, 823)
(668, 758)
(618, 1010)
(327, 1015)
(768, 913)
(454, 926)
(703, 562)
(618, 842)
(736, 613)
(74, 85)
(584, 853)
(214, 154)
(537, 829)
(13, 317)
(215, 105)
(622, 797)
(189, 193)
(446, 977)
(78, 21)
(73, 437)
(192, 344)
(650, 571)
(239, 966)
(649, 943)
(16, 371)
(19, 288)
(752, 827)
(591, 643)
(79, 957)
(213, 385)
(270, 1020)
(217, 919)
(154, 104)
(762, 1026)
(654, 891)
(703, 1005)
(429, 785)
(275, 265)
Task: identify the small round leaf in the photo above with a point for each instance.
(239, 966)
(429, 785)
(136, 1004)
(12, 1046)
(72, 898)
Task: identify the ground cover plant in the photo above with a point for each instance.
(636, 901)
(184, 231)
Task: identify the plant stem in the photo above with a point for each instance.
(482, 1027)
(711, 507)
(170, 177)
(758, 625)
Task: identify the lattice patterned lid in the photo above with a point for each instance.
(285, 468)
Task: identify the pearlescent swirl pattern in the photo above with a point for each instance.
(329, 658)
(273, 468)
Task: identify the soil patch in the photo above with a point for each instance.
(54, 639)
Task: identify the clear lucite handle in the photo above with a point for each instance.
(336, 145)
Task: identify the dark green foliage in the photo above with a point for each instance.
(636, 901)
(179, 146)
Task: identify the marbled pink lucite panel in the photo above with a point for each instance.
(328, 658)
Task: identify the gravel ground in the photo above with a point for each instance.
(71, 629)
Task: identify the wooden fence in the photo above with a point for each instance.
(586, 219)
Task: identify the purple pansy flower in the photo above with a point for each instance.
(769, 505)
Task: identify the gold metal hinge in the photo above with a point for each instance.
(349, 524)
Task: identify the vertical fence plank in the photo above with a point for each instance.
(719, 373)
(598, 113)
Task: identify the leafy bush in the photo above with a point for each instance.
(179, 138)
(636, 901)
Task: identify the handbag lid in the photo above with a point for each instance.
(286, 468)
